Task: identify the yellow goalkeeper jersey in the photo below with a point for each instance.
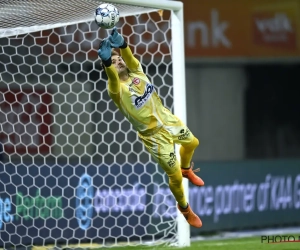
(137, 98)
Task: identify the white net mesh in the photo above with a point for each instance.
(24, 16)
(74, 171)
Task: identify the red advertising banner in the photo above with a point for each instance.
(25, 118)
(265, 28)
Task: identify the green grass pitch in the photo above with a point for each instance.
(248, 243)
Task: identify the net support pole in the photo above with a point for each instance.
(179, 92)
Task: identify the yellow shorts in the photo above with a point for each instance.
(161, 144)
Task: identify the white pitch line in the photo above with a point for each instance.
(216, 243)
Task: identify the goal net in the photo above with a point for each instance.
(73, 170)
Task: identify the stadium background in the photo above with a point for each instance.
(242, 81)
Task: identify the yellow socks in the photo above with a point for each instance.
(176, 187)
(187, 151)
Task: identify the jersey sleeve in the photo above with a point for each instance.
(114, 85)
(113, 79)
(132, 63)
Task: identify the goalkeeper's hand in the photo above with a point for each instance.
(104, 51)
(116, 40)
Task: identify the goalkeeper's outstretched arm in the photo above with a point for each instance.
(117, 41)
(131, 62)
(104, 53)
(113, 79)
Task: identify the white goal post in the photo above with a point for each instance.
(36, 77)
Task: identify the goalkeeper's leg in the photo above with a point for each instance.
(161, 148)
(176, 187)
(186, 151)
(183, 136)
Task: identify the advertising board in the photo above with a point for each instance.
(41, 204)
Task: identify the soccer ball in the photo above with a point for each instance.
(106, 16)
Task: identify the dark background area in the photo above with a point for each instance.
(272, 111)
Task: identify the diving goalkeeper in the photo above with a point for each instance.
(157, 127)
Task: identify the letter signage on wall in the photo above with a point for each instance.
(251, 29)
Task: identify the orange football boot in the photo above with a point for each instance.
(190, 216)
(189, 173)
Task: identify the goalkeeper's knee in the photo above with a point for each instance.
(192, 145)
